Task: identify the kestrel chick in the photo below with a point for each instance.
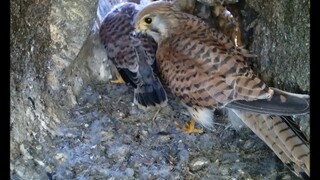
(133, 57)
(205, 70)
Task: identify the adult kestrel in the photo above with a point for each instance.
(205, 70)
(133, 57)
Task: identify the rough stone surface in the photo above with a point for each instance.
(68, 122)
(280, 38)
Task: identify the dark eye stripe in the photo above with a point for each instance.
(155, 29)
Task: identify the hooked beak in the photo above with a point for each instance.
(138, 31)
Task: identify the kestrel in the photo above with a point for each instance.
(205, 70)
(133, 57)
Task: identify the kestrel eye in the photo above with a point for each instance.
(148, 20)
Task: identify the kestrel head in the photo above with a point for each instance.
(157, 19)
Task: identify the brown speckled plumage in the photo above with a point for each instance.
(205, 70)
(133, 57)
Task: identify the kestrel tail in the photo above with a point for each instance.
(283, 136)
(133, 57)
(205, 70)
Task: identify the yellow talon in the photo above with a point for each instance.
(118, 80)
(189, 127)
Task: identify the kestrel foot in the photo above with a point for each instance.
(189, 127)
(118, 80)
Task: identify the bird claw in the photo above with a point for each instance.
(189, 127)
(118, 80)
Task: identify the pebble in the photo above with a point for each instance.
(198, 164)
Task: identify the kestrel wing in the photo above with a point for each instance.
(150, 91)
(281, 103)
(149, 46)
(209, 74)
(114, 35)
(202, 32)
(133, 57)
(203, 73)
